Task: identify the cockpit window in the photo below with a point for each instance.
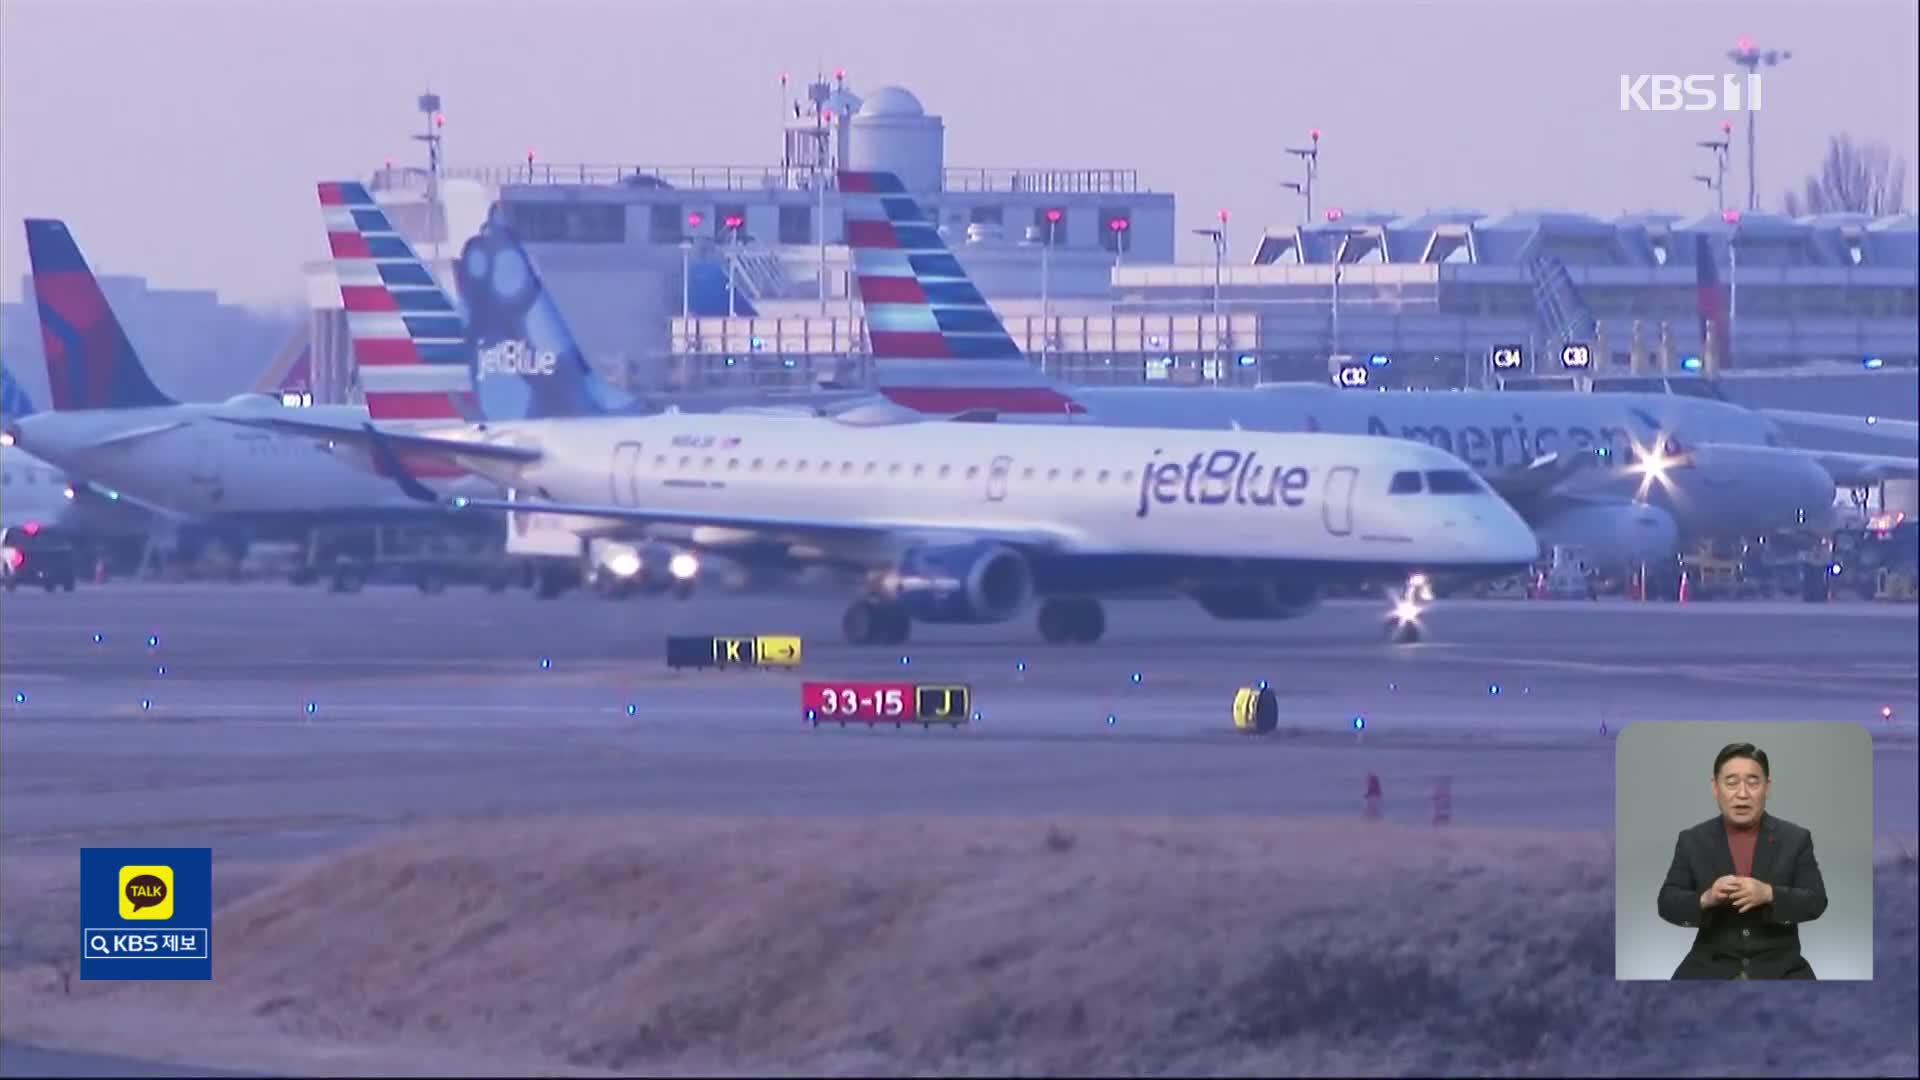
(1453, 482)
(1404, 483)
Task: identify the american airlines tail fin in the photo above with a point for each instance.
(90, 361)
(938, 347)
(1712, 297)
(409, 342)
(527, 366)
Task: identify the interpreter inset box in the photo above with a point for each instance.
(1743, 851)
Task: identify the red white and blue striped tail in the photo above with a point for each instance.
(938, 347)
(409, 340)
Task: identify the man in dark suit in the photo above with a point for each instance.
(1745, 879)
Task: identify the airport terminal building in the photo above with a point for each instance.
(704, 276)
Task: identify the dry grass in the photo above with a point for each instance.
(655, 944)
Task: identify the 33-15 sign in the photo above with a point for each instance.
(880, 702)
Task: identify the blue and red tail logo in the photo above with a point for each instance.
(938, 346)
(1712, 295)
(90, 362)
(409, 341)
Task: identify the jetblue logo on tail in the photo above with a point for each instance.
(516, 358)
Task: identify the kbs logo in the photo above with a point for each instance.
(516, 358)
(1690, 93)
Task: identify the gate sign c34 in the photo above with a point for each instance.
(1351, 376)
(1509, 357)
(1575, 356)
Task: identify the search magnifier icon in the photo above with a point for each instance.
(98, 943)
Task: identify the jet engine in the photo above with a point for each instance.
(1621, 534)
(964, 583)
(1258, 600)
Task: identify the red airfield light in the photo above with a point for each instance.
(439, 119)
(1334, 213)
(1223, 215)
(734, 221)
(694, 218)
(1731, 217)
(1053, 213)
(1726, 127)
(1118, 224)
(840, 73)
(1314, 134)
(1745, 44)
(529, 155)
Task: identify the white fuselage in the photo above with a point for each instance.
(1206, 494)
(185, 459)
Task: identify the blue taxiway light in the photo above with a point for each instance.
(98, 638)
(1112, 719)
(1393, 688)
(545, 663)
(905, 660)
(1494, 689)
(1020, 665)
(1263, 684)
(310, 708)
(1136, 676)
(1359, 722)
(19, 697)
(153, 640)
(632, 709)
(146, 703)
(976, 716)
(161, 670)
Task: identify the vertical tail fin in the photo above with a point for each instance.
(1712, 296)
(526, 364)
(938, 346)
(409, 341)
(90, 362)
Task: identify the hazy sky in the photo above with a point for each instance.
(182, 139)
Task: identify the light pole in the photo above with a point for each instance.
(1339, 251)
(1717, 183)
(1219, 237)
(1053, 215)
(1310, 157)
(429, 105)
(1749, 56)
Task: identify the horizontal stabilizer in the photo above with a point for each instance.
(367, 437)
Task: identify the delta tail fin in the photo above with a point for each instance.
(938, 346)
(1712, 302)
(91, 364)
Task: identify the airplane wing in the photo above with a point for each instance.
(796, 525)
(364, 434)
(132, 435)
(1854, 470)
(1876, 426)
(1539, 477)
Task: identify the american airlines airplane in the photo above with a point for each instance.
(111, 425)
(950, 521)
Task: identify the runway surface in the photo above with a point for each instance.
(468, 704)
(425, 707)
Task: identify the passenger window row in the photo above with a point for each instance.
(895, 469)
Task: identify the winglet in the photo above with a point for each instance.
(389, 463)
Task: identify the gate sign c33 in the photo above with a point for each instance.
(1575, 356)
(1352, 375)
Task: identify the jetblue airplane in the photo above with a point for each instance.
(111, 425)
(950, 521)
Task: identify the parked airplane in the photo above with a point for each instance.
(111, 425)
(36, 492)
(952, 522)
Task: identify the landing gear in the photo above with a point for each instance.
(1078, 619)
(1402, 631)
(876, 622)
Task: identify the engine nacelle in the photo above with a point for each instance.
(1617, 535)
(964, 583)
(1258, 600)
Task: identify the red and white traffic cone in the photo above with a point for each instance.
(1686, 585)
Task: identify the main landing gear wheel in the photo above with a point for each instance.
(1076, 619)
(876, 622)
(1402, 631)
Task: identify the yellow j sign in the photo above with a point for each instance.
(777, 650)
(947, 704)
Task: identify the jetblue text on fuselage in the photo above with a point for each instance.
(516, 358)
(1505, 445)
(1214, 477)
